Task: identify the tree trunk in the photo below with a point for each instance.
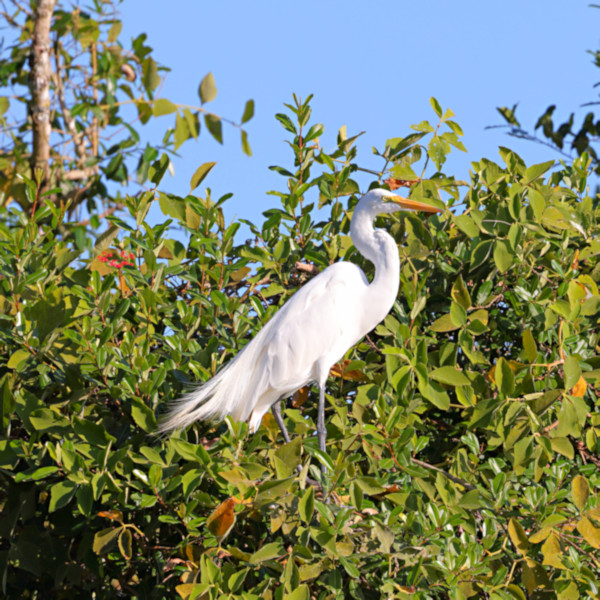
(40, 87)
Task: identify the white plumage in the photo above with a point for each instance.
(309, 333)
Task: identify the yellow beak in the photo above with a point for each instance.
(408, 204)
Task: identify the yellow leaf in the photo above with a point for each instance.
(579, 388)
(580, 491)
(589, 531)
(185, 589)
(460, 293)
(552, 552)
(534, 576)
(125, 543)
(541, 535)
(517, 536)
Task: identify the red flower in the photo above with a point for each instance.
(111, 257)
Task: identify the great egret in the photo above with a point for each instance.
(310, 332)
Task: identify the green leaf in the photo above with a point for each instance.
(192, 122)
(471, 500)
(207, 89)
(290, 453)
(458, 314)
(306, 505)
(436, 394)
(537, 203)
(503, 256)
(267, 552)
(213, 124)
(369, 485)
(182, 132)
(505, 379)
(302, 592)
(237, 579)
(104, 539)
(45, 419)
(436, 106)
(349, 567)
(143, 415)
(172, 206)
(563, 446)
(314, 132)
(449, 376)
(91, 432)
(580, 491)
(85, 499)
(245, 144)
(384, 535)
(466, 224)
(535, 171)
(162, 106)
(199, 175)
(248, 111)
(444, 324)
(438, 148)
(16, 358)
(61, 494)
(36, 475)
(404, 173)
(150, 78)
(4, 104)
(572, 371)
(529, 345)
(517, 536)
(286, 122)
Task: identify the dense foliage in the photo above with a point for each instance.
(463, 433)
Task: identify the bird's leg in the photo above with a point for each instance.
(321, 429)
(276, 409)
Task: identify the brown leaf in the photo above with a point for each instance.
(389, 489)
(128, 71)
(339, 370)
(394, 184)
(575, 263)
(222, 519)
(300, 397)
(113, 515)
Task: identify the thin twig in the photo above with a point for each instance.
(453, 478)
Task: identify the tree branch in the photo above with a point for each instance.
(40, 87)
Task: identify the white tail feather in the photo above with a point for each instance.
(240, 389)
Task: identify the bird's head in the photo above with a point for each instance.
(380, 201)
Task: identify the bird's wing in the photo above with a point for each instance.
(318, 323)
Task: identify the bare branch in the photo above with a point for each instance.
(307, 268)
(40, 86)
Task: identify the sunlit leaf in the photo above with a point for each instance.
(207, 89)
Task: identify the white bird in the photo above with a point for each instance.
(309, 334)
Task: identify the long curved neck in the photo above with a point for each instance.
(379, 247)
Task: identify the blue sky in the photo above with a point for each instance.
(372, 66)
